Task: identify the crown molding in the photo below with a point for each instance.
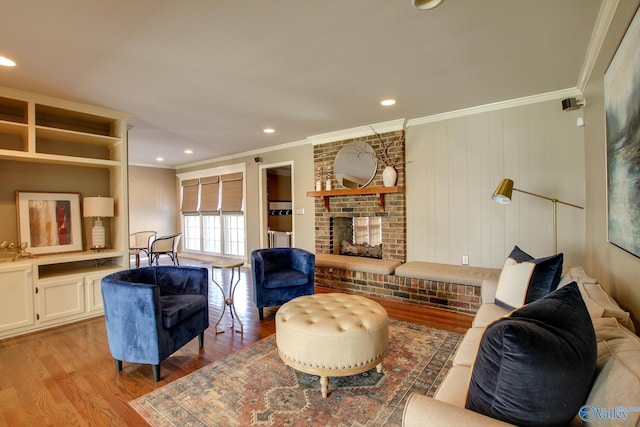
(215, 170)
(392, 126)
(243, 154)
(543, 97)
(357, 132)
(152, 165)
(603, 22)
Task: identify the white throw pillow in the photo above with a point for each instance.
(513, 283)
(525, 279)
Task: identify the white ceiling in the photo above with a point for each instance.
(209, 75)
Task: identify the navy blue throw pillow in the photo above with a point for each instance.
(525, 279)
(535, 367)
(546, 275)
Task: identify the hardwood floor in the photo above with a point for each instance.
(66, 376)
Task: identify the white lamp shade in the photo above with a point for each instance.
(100, 207)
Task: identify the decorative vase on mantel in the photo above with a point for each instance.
(389, 176)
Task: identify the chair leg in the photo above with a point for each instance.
(156, 373)
(201, 340)
(177, 260)
(261, 312)
(118, 365)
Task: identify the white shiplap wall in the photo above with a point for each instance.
(454, 165)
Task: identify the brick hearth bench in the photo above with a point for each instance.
(452, 287)
(448, 273)
(356, 263)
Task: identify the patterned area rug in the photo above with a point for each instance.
(253, 387)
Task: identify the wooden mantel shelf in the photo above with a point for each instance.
(378, 191)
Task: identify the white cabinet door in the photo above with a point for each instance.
(60, 298)
(94, 291)
(16, 301)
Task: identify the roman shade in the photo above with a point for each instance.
(231, 192)
(209, 194)
(189, 196)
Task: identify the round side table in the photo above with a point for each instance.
(234, 265)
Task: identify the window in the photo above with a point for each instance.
(191, 232)
(212, 234)
(213, 215)
(234, 234)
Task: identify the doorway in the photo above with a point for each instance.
(277, 206)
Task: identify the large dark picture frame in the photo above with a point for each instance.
(622, 108)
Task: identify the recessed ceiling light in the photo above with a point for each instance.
(426, 4)
(188, 151)
(159, 159)
(269, 130)
(388, 102)
(7, 62)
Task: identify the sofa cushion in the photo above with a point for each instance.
(176, 308)
(617, 378)
(453, 389)
(487, 314)
(535, 366)
(468, 348)
(525, 279)
(598, 302)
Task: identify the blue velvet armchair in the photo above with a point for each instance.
(281, 274)
(151, 312)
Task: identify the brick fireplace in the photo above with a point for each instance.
(394, 246)
(451, 296)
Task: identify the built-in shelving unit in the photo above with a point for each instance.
(48, 144)
(377, 191)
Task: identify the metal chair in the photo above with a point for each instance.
(165, 245)
(141, 242)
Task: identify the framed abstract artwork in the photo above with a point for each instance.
(622, 108)
(49, 222)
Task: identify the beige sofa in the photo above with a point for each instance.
(615, 392)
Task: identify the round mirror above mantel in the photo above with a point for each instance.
(355, 165)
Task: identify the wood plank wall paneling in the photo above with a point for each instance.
(454, 165)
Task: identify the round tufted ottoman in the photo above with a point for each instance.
(332, 335)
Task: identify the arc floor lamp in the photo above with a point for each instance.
(503, 194)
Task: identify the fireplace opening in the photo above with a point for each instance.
(358, 236)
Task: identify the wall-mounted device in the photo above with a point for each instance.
(569, 104)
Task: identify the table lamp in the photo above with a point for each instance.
(98, 207)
